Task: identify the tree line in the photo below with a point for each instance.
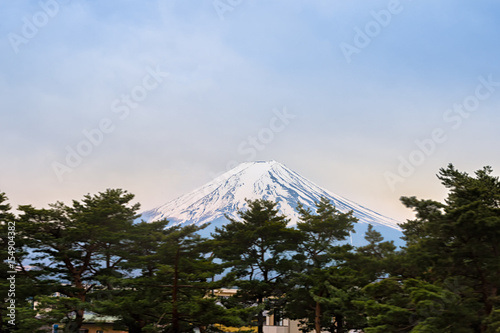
(91, 256)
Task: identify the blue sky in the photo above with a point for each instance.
(158, 97)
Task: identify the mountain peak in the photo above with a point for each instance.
(257, 162)
(260, 165)
(268, 180)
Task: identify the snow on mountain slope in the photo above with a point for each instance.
(268, 180)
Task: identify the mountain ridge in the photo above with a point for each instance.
(269, 180)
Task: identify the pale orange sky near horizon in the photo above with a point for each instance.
(367, 100)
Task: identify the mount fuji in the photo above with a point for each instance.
(269, 180)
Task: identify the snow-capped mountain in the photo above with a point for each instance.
(268, 180)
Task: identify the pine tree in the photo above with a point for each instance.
(185, 271)
(168, 288)
(25, 289)
(448, 275)
(318, 291)
(256, 250)
(135, 297)
(76, 249)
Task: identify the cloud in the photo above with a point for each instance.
(225, 78)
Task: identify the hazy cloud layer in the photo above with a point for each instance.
(158, 97)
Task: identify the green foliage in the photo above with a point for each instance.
(153, 277)
(414, 305)
(257, 252)
(170, 291)
(326, 293)
(26, 290)
(447, 277)
(320, 290)
(76, 249)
